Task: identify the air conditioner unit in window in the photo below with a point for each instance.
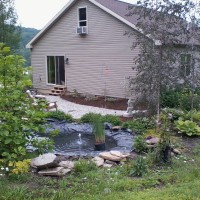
(82, 30)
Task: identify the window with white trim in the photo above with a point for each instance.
(82, 12)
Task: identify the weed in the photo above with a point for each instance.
(140, 144)
(139, 167)
(83, 166)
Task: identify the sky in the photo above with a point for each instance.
(37, 13)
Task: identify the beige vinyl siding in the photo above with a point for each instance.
(105, 47)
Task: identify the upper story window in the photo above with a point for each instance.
(185, 61)
(82, 16)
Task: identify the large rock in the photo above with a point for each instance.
(58, 171)
(98, 161)
(67, 164)
(109, 156)
(116, 153)
(44, 161)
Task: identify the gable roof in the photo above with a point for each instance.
(117, 9)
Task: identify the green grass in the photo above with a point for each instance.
(179, 181)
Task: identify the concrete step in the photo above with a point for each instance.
(54, 94)
(60, 87)
(56, 91)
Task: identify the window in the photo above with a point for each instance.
(82, 17)
(185, 61)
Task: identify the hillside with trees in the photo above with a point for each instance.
(26, 35)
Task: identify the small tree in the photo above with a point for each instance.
(19, 119)
(169, 29)
(9, 32)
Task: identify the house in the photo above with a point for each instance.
(84, 47)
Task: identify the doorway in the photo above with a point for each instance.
(55, 70)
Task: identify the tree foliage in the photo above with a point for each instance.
(170, 28)
(9, 32)
(19, 118)
(26, 35)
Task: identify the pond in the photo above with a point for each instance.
(78, 139)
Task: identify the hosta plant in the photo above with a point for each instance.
(188, 127)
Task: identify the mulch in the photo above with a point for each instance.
(100, 102)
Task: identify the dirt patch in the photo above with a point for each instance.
(101, 102)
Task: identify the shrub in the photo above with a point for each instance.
(188, 127)
(185, 102)
(139, 167)
(195, 115)
(114, 120)
(18, 115)
(139, 125)
(59, 115)
(83, 166)
(176, 113)
(140, 144)
(170, 98)
(89, 117)
(19, 167)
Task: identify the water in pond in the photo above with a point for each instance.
(79, 142)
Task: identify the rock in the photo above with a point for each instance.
(110, 162)
(109, 156)
(116, 128)
(107, 126)
(44, 161)
(98, 161)
(116, 153)
(153, 141)
(125, 155)
(58, 171)
(176, 151)
(132, 156)
(107, 165)
(66, 164)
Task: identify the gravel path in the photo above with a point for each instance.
(77, 110)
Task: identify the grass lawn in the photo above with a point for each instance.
(180, 180)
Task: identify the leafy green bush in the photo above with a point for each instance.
(188, 127)
(139, 125)
(89, 117)
(114, 120)
(175, 113)
(195, 115)
(171, 98)
(185, 102)
(83, 166)
(139, 167)
(59, 115)
(180, 98)
(19, 118)
(140, 144)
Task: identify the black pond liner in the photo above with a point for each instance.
(78, 139)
